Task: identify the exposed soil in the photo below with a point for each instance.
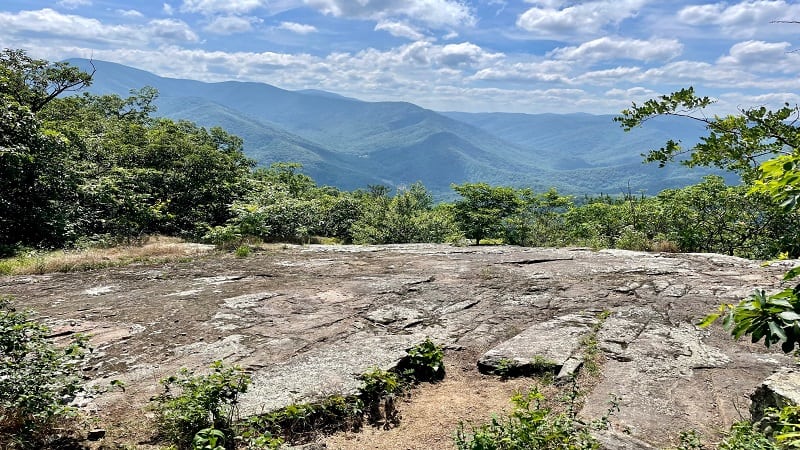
(288, 306)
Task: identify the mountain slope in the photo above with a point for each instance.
(350, 143)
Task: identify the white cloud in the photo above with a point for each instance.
(230, 25)
(298, 28)
(756, 52)
(132, 13)
(613, 48)
(437, 13)
(399, 29)
(462, 55)
(168, 9)
(741, 19)
(72, 4)
(210, 7)
(49, 24)
(607, 76)
(683, 73)
(172, 30)
(553, 19)
(768, 58)
(548, 71)
(631, 94)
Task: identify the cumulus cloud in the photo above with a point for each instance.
(130, 13)
(210, 7)
(460, 55)
(72, 4)
(230, 25)
(767, 58)
(756, 52)
(553, 19)
(399, 29)
(547, 71)
(51, 24)
(631, 94)
(298, 28)
(437, 13)
(612, 48)
(168, 9)
(172, 30)
(607, 76)
(740, 19)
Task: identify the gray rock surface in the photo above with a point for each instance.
(306, 320)
(780, 389)
(324, 371)
(544, 347)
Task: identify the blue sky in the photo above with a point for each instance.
(531, 56)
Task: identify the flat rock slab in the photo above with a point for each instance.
(324, 371)
(780, 389)
(307, 320)
(544, 347)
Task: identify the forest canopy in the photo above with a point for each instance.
(84, 169)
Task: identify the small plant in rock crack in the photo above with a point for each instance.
(505, 368)
(529, 426)
(379, 383)
(425, 362)
(38, 379)
(191, 403)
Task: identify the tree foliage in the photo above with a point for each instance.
(764, 147)
(482, 208)
(35, 82)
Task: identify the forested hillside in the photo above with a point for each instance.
(348, 144)
(87, 168)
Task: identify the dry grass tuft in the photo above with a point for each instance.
(152, 249)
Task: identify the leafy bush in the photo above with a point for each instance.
(424, 362)
(528, 427)
(243, 251)
(191, 403)
(37, 379)
(743, 436)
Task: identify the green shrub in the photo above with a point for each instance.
(631, 239)
(191, 403)
(243, 251)
(529, 426)
(424, 362)
(743, 436)
(37, 380)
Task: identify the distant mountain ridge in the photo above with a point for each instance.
(349, 143)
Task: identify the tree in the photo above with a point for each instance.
(539, 220)
(764, 147)
(482, 209)
(37, 181)
(36, 82)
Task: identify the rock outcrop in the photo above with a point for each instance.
(306, 321)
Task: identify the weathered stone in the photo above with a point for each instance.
(610, 440)
(324, 371)
(569, 369)
(778, 390)
(299, 317)
(544, 347)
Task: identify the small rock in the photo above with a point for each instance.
(780, 389)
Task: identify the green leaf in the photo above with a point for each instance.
(708, 320)
(789, 316)
(791, 274)
(777, 331)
